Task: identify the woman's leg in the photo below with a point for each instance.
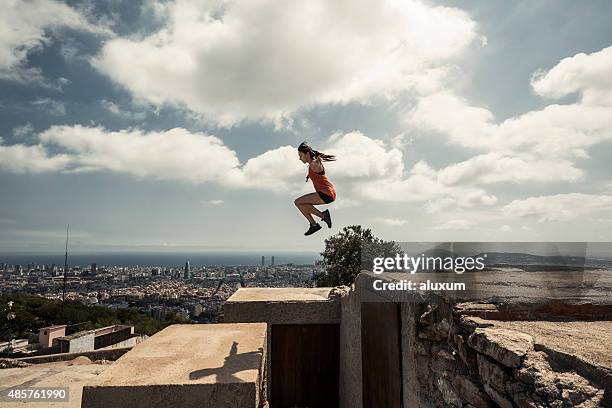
(306, 207)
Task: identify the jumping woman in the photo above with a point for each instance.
(325, 191)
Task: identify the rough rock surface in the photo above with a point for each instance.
(471, 393)
(508, 347)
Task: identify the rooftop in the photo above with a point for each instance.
(280, 294)
(215, 365)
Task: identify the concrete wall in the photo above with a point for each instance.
(350, 351)
(276, 306)
(81, 343)
(111, 355)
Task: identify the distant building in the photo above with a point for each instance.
(187, 272)
(118, 335)
(94, 268)
(263, 260)
(47, 335)
(272, 263)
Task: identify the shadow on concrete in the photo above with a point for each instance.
(233, 363)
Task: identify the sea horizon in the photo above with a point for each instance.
(162, 258)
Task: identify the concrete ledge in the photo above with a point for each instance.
(283, 306)
(216, 365)
(107, 354)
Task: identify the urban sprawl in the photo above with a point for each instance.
(192, 292)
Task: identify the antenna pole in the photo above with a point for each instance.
(65, 265)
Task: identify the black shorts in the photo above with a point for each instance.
(326, 199)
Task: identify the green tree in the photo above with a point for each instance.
(349, 252)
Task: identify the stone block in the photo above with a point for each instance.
(508, 347)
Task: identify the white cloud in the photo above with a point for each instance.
(459, 224)
(505, 228)
(401, 141)
(560, 131)
(21, 159)
(540, 145)
(116, 110)
(393, 222)
(495, 168)
(50, 106)
(234, 61)
(23, 131)
(175, 154)
(587, 74)
(27, 27)
(559, 207)
(366, 167)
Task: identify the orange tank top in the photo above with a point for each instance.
(321, 183)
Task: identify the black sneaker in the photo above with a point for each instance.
(327, 218)
(313, 228)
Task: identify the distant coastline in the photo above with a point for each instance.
(151, 258)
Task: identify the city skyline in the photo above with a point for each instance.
(173, 126)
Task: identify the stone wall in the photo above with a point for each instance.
(469, 362)
(458, 353)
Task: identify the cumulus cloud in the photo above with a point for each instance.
(28, 27)
(539, 145)
(233, 61)
(366, 169)
(175, 154)
(586, 74)
(493, 168)
(559, 207)
(21, 159)
(563, 131)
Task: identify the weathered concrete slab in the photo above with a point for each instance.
(283, 306)
(280, 294)
(218, 365)
(53, 375)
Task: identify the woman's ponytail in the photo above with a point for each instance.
(303, 147)
(323, 156)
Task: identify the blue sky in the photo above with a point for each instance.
(173, 124)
